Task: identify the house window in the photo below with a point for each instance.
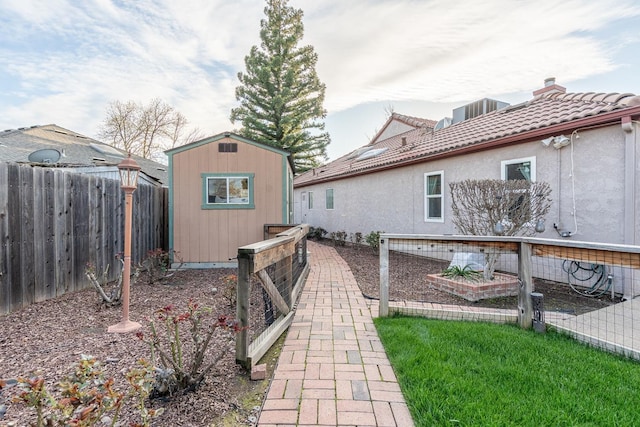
(310, 199)
(519, 169)
(329, 198)
(227, 191)
(433, 197)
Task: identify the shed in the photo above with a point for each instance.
(223, 190)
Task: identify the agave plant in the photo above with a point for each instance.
(458, 272)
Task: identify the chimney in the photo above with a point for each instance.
(404, 141)
(550, 86)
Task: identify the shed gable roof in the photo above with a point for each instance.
(231, 135)
(547, 112)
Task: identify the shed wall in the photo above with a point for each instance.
(214, 235)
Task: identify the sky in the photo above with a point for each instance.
(64, 61)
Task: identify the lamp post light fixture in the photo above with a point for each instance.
(129, 171)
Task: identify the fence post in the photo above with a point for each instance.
(384, 276)
(525, 280)
(242, 308)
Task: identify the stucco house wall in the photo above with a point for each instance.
(205, 234)
(394, 200)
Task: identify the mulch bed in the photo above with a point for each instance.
(48, 338)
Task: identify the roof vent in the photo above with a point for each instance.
(442, 123)
(46, 155)
(227, 147)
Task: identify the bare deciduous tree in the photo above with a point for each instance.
(514, 206)
(120, 128)
(145, 130)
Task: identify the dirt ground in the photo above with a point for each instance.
(48, 338)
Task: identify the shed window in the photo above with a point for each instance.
(310, 199)
(227, 191)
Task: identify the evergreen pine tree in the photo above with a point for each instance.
(281, 97)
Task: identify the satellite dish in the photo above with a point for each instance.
(443, 123)
(46, 155)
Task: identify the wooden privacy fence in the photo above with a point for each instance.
(603, 281)
(54, 223)
(281, 267)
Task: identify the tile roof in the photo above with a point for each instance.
(550, 112)
(78, 150)
(415, 122)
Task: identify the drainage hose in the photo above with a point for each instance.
(591, 280)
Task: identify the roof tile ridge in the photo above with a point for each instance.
(413, 120)
(612, 98)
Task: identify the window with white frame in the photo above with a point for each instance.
(329, 198)
(227, 191)
(310, 199)
(516, 169)
(524, 168)
(433, 197)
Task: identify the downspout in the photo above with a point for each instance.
(630, 197)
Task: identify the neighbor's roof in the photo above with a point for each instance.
(415, 122)
(76, 150)
(548, 113)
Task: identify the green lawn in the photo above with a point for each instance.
(479, 374)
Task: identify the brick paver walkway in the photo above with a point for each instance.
(333, 370)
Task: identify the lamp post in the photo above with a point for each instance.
(129, 170)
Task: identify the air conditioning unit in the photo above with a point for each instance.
(476, 109)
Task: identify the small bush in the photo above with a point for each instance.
(229, 291)
(181, 346)
(339, 238)
(157, 265)
(356, 238)
(373, 239)
(88, 399)
(316, 233)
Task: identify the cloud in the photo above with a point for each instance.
(449, 51)
(66, 60)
